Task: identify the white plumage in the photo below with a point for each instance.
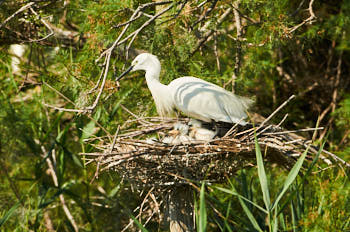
(195, 97)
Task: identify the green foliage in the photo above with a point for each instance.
(343, 113)
(9, 213)
(202, 217)
(271, 211)
(262, 176)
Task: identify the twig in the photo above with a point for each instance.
(336, 158)
(203, 17)
(262, 131)
(345, 136)
(101, 157)
(294, 131)
(114, 139)
(134, 115)
(281, 122)
(64, 109)
(145, 200)
(275, 112)
(130, 20)
(209, 33)
(117, 42)
(310, 20)
(107, 53)
(98, 82)
(253, 21)
(151, 164)
(238, 44)
(157, 207)
(55, 181)
(201, 4)
(58, 92)
(23, 8)
(72, 110)
(131, 221)
(93, 106)
(46, 25)
(48, 222)
(308, 89)
(335, 93)
(230, 130)
(136, 32)
(323, 169)
(216, 53)
(299, 7)
(174, 16)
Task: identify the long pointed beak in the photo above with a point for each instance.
(124, 73)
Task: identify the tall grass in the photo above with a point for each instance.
(281, 207)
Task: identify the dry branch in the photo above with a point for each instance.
(309, 20)
(23, 8)
(147, 161)
(238, 44)
(209, 33)
(55, 181)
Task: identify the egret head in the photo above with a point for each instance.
(144, 61)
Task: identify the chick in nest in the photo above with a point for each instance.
(198, 132)
(183, 133)
(180, 134)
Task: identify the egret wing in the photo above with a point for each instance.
(205, 101)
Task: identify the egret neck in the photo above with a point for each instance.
(160, 92)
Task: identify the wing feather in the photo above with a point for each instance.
(205, 101)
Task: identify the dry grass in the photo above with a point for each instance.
(140, 156)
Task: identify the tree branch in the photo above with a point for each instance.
(23, 8)
(310, 20)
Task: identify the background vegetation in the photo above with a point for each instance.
(267, 50)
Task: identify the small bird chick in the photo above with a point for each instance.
(199, 133)
(178, 135)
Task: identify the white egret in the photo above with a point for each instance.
(195, 97)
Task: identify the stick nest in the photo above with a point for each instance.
(140, 155)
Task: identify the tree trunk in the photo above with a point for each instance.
(179, 209)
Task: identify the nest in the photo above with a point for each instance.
(142, 156)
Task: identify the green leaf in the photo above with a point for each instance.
(303, 179)
(262, 175)
(114, 191)
(294, 222)
(139, 225)
(234, 192)
(62, 133)
(282, 222)
(88, 130)
(123, 97)
(275, 222)
(202, 211)
(291, 177)
(227, 216)
(52, 126)
(9, 213)
(77, 161)
(249, 215)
